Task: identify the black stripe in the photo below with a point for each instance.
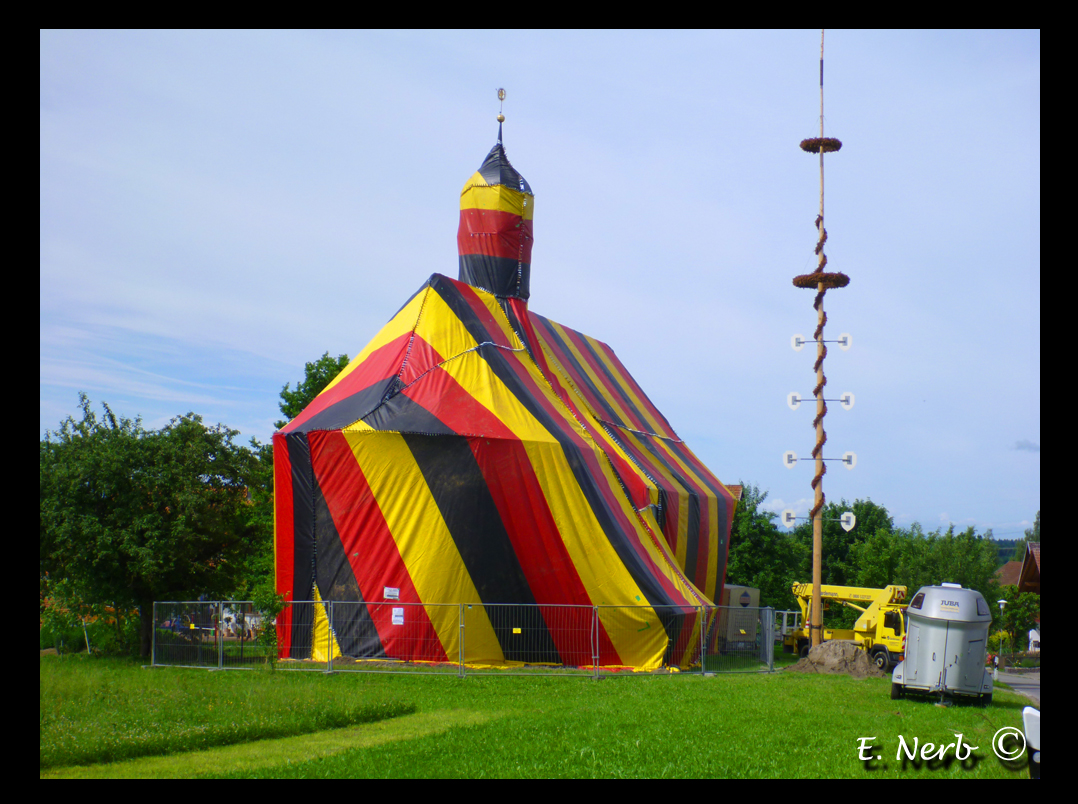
(601, 366)
(496, 169)
(652, 589)
(692, 540)
(566, 355)
(350, 409)
(514, 323)
(352, 624)
(461, 494)
(403, 415)
(692, 530)
(299, 455)
(501, 276)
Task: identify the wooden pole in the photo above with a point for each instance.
(817, 521)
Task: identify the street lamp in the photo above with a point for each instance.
(1002, 603)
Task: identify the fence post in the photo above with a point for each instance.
(329, 637)
(460, 643)
(702, 620)
(153, 638)
(220, 632)
(770, 639)
(595, 640)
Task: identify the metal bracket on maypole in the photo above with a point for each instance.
(820, 281)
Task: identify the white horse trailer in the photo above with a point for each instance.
(945, 644)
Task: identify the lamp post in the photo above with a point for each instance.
(1002, 603)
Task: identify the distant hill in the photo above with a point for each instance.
(1005, 549)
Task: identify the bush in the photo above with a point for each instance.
(104, 638)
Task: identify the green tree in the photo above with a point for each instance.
(837, 542)
(316, 376)
(1019, 615)
(761, 555)
(914, 559)
(130, 515)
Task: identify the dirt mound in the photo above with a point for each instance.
(838, 657)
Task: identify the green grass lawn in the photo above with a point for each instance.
(368, 725)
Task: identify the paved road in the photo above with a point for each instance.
(1028, 684)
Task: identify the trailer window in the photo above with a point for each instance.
(918, 599)
(982, 606)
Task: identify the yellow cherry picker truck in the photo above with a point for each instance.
(880, 630)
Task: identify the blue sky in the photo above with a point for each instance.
(218, 208)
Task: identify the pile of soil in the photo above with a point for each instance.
(838, 657)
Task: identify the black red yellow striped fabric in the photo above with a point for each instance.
(475, 452)
(495, 235)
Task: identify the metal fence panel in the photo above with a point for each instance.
(652, 639)
(740, 640)
(398, 637)
(466, 639)
(186, 635)
(511, 639)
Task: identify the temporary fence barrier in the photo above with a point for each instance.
(465, 638)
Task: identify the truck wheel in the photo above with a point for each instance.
(896, 692)
(986, 699)
(805, 647)
(882, 659)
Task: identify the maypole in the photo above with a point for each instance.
(821, 281)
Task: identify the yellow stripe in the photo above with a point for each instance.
(475, 180)
(499, 197)
(441, 328)
(713, 520)
(598, 382)
(668, 481)
(321, 632)
(604, 576)
(424, 541)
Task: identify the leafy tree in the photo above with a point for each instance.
(130, 515)
(914, 559)
(837, 542)
(259, 580)
(317, 376)
(1019, 615)
(761, 555)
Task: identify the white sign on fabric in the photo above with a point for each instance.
(398, 616)
(391, 593)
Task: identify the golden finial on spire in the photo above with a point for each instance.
(501, 98)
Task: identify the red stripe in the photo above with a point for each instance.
(568, 362)
(636, 486)
(453, 406)
(548, 567)
(495, 234)
(371, 551)
(284, 538)
(606, 381)
(520, 307)
(704, 538)
(383, 363)
(421, 357)
(584, 384)
(494, 330)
